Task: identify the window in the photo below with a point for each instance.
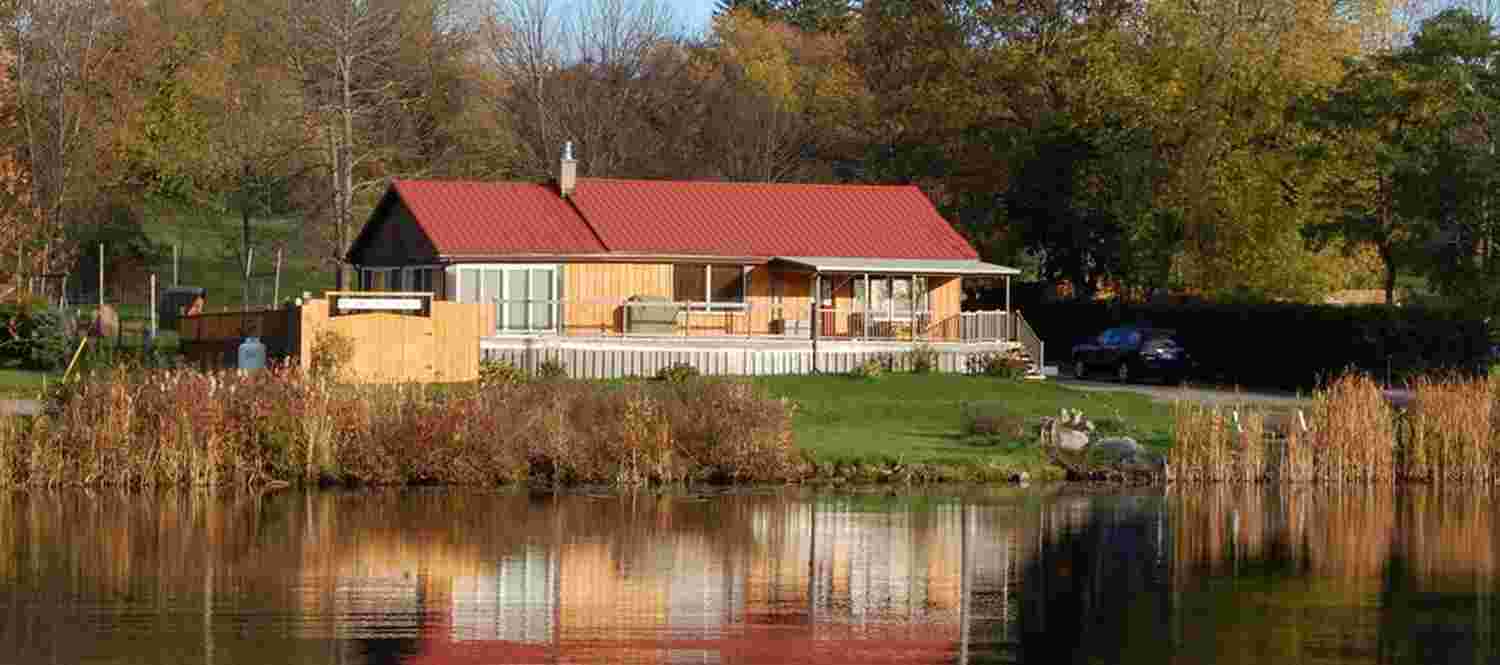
(417, 279)
(709, 286)
(525, 295)
(892, 297)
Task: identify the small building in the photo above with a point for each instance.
(584, 261)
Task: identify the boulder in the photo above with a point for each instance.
(1068, 438)
(1115, 450)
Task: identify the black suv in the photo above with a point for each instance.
(1133, 352)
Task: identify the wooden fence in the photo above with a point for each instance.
(583, 360)
(442, 345)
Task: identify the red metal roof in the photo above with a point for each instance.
(682, 218)
(496, 218)
(744, 219)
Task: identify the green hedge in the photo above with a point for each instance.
(34, 336)
(1287, 346)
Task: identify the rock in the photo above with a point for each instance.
(1068, 438)
(106, 322)
(1115, 451)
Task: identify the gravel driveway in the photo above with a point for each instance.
(1203, 394)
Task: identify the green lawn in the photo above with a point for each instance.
(916, 418)
(18, 383)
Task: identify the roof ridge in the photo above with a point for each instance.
(743, 183)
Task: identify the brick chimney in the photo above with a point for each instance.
(567, 177)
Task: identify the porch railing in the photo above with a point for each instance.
(661, 318)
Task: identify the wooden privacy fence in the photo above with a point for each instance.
(438, 342)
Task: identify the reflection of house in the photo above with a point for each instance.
(815, 582)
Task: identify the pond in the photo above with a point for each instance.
(949, 575)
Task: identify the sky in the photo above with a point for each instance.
(692, 15)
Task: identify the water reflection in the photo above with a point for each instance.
(1187, 575)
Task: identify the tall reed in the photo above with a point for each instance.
(1354, 436)
(1451, 431)
(185, 427)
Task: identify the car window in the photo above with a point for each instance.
(1110, 337)
(1133, 338)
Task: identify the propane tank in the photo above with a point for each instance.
(252, 354)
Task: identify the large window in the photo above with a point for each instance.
(709, 286)
(891, 297)
(525, 295)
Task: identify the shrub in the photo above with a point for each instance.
(35, 337)
(677, 373)
(1004, 365)
(871, 368)
(500, 373)
(990, 419)
(551, 369)
(922, 359)
(331, 352)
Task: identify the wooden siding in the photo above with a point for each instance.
(592, 293)
(395, 240)
(943, 298)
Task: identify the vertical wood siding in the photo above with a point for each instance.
(587, 285)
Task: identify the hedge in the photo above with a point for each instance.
(1280, 345)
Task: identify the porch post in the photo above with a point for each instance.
(816, 299)
(865, 308)
(911, 304)
(1010, 321)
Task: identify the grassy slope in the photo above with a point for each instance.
(17, 384)
(207, 245)
(915, 418)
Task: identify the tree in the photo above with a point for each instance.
(1396, 170)
(60, 50)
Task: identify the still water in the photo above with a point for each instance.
(1189, 575)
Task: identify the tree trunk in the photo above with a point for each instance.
(1388, 257)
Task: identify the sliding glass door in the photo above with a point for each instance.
(525, 295)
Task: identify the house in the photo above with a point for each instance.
(614, 259)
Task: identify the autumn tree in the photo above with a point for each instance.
(60, 52)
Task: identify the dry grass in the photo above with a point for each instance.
(194, 428)
(1451, 433)
(1354, 437)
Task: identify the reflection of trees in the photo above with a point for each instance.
(1096, 588)
(1347, 573)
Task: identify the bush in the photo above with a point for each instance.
(922, 359)
(998, 364)
(990, 419)
(677, 373)
(872, 368)
(35, 337)
(500, 373)
(1286, 345)
(331, 352)
(551, 369)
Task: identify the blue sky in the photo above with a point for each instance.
(692, 15)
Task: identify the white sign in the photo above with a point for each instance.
(388, 304)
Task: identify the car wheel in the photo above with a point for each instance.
(1080, 370)
(1122, 372)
